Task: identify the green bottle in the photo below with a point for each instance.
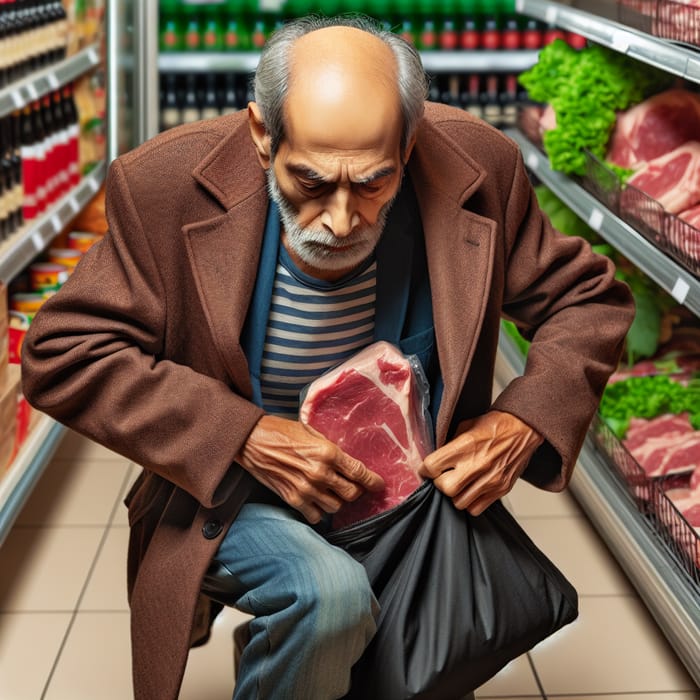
(170, 34)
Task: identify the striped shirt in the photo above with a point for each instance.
(313, 326)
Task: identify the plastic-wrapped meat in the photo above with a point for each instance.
(371, 407)
(654, 127)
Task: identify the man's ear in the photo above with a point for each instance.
(259, 134)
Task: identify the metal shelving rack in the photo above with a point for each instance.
(433, 61)
(671, 596)
(18, 251)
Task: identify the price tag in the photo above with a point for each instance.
(17, 99)
(595, 220)
(532, 160)
(73, 204)
(56, 222)
(680, 290)
(551, 14)
(31, 91)
(37, 241)
(621, 41)
(92, 55)
(54, 82)
(519, 6)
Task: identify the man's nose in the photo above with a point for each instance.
(340, 215)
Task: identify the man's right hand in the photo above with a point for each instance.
(310, 473)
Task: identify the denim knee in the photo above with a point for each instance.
(341, 600)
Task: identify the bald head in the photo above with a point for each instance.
(343, 88)
(336, 64)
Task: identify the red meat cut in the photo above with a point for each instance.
(371, 408)
(664, 445)
(654, 127)
(673, 180)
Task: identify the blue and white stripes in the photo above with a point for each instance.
(312, 326)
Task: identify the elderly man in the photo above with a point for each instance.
(248, 254)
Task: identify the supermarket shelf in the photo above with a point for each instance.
(24, 245)
(25, 91)
(433, 61)
(18, 481)
(681, 284)
(668, 592)
(643, 47)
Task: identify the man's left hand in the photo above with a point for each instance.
(482, 464)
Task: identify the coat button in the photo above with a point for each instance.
(212, 529)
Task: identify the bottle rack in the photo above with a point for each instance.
(672, 599)
(18, 250)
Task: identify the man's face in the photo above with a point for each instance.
(316, 248)
(334, 200)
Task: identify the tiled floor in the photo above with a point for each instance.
(64, 621)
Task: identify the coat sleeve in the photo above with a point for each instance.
(93, 360)
(564, 298)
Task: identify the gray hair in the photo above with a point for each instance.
(271, 80)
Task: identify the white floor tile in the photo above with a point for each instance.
(525, 499)
(515, 680)
(75, 447)
(577, 550)
(613, 647)
(75, 493)
(106, 589)
(45, 568)
(95, 663)
(209, 673)
(29, 644)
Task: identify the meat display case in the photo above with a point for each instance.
(672, 597)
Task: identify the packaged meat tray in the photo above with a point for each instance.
(374, 407)
(647, 428)
(675, 236)
(668, 504)
(667, 19)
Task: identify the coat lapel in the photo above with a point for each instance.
(224, 250)
(459, 247)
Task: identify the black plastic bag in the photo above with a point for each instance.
(460, 597)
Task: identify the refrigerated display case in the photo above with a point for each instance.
(667, 581)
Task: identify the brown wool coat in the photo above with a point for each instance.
(140, 350)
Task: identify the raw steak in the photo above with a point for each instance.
(673, 180)
(654, 127)
(370, 407)
(664, 445)
(691, 216)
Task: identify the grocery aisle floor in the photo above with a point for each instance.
(64, 622)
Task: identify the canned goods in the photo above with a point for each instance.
(82, 240)
(65, 256)
(47, 276)
(27, 302)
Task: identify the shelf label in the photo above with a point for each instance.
(533, 160)
(620, 41)
(520, 6)
(92, 55)
(38, 241)
(56, 222)
(595, 220)
(680, 290)
(73, 204)
(54, 82)
(550, 15)
(17, 99)
(31, 91)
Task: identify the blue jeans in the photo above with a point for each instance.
(314, 611)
